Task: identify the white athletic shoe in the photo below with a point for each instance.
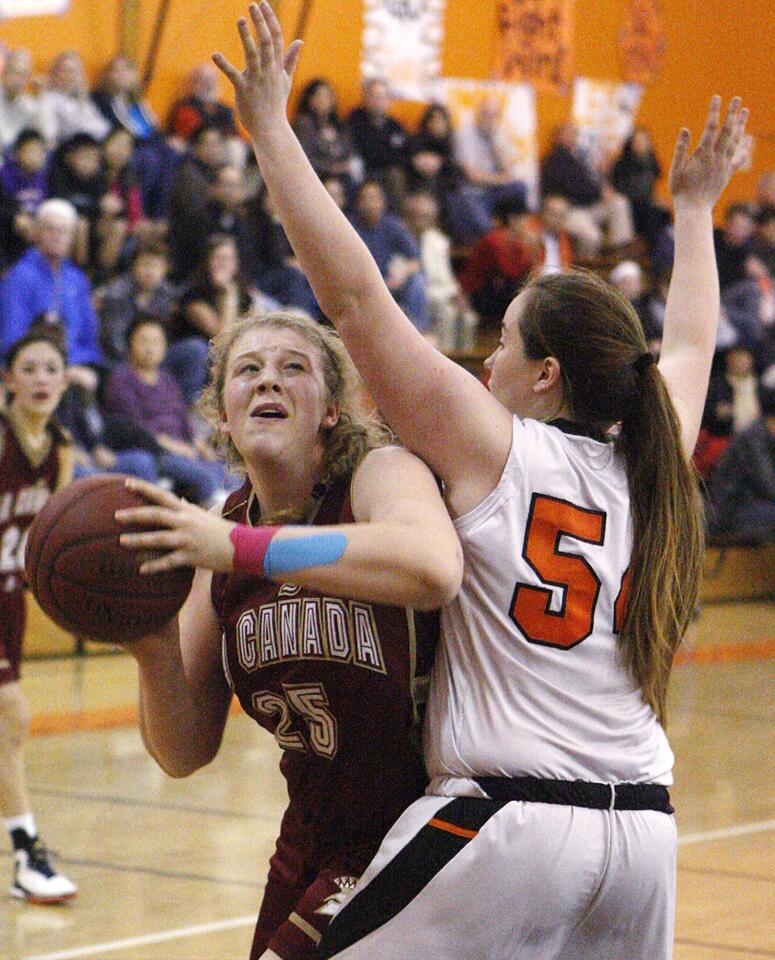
(35, 879)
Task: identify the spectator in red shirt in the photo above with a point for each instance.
(504, 257)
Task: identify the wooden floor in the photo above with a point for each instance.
(175, 869)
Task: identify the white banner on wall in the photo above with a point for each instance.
(604, 113)
(402, 44)
(518, 119)
(31, 8)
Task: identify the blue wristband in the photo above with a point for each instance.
(289, 556)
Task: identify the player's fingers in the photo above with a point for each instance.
(264, 36)
(292, 57)
(152, 492)
(275, 30)
(155, 540)
(226, 68)
(149, 516)
(170, 561)
(711, 125)
(742, 155)
(730, 125)
(248, 43)
(679, 154)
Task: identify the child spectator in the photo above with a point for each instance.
(77, 175)
(145, 394)
(142, 290)
(23, 175)
(23, 187)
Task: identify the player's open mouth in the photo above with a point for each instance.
(41, 395)
(270, 411)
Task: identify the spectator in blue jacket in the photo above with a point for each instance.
(44, 282)
(395, 251)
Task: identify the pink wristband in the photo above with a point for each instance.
(250, 546)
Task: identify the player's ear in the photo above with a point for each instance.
(331, 416)
(223, 423)
(550, 374)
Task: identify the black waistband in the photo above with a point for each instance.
(579, 793)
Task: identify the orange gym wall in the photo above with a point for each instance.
(713, 46)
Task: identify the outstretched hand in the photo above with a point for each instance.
(698, 179)
(261, 89)
(188, 535)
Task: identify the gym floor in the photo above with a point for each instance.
(173, 869)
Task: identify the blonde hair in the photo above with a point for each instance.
(356, 431)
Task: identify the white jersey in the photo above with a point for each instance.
(527, 681)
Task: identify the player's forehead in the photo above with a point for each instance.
(37, 353)
(513, 316)
(268, 340)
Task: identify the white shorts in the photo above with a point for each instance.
(470, 879)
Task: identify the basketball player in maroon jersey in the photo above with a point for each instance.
(34, 461)
(321, 561)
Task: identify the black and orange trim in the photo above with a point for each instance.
(448, 832)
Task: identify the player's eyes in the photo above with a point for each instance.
(294, 366)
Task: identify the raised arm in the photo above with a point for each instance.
(692, 312)
(439, 410)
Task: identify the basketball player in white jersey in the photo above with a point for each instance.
(547, 831)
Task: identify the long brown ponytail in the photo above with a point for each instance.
(597, 338)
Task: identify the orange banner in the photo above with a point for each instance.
(535, 39)
(642, 42)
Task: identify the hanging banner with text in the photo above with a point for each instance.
(402, 44)
(535, 43)
(642, 42)
(518, 119)
(604, 114)
(31, 8)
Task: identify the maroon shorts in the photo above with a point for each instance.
(12, 617)
(303, 893)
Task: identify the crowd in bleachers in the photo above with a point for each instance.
(135, 241)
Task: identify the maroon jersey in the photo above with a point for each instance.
(24, 488)
(336, 681)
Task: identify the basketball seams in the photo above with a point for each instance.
(80, 575)
(48, 564)
(56, 515)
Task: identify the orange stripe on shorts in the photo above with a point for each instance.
(452, 828)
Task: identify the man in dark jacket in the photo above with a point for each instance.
(598, 213)
(742, 491)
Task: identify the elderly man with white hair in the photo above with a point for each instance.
(18, 109)
(43, 286)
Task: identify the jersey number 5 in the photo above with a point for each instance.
(550, 520)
